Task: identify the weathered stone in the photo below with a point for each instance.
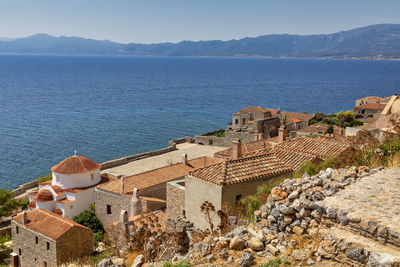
(304, 213)
(297, 205)
(210, 258)
(223, 254)
(237, 243)
(118, 261)
(272, 249)
(293, 195)
(381, 260)
(299, 255)
(239, 231)
(257, 215)
(278, 194)
(246, 260)
(284, 209)
(357, 254)
(255, 244)
(331, 212)
(139, 260)
(105, 263)
(310, 261)
(316, 215)
(342, 217)
(298, 230)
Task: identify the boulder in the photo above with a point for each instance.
(237, 243)
(246, 260)
(139, 260)
(105, 263)
(278, 194)
(255, 244)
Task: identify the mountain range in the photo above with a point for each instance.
(375, 41)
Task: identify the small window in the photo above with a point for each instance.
(19, 252)
(48, 245)
(108, 209)
(244, 120)
(236, 121)
(238, 197)
(36, 240)
(17, 229)
(92, 176)
(183, 212)
(45, 263)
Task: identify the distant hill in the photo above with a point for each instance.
(376, 41)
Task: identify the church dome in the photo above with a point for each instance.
(44, 195)
(76, 165)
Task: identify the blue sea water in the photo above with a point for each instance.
(110, 107)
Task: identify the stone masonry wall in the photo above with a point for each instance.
(118, 202)
(175, 199)
(32, 254)
(75, 243)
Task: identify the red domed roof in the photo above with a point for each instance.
(58, 211)
(44, 195)
(76, 165)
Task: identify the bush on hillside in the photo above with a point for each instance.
(89, 219)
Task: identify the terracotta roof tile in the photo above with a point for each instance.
(76, 165)
(44, 195)
(321, 147)
(242, 170)
(48, 223)
(376, 106)
(152, 199)
(295, 115)
(32, 204)
(260, 109)
(157, 176)
(246, 147)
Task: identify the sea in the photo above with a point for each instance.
(108, 107)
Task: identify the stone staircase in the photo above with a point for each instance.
(362, 222)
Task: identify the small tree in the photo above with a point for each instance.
(7, 202)
(89, 219)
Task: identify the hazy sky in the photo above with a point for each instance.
(149, 21)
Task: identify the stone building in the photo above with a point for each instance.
(41, 238)
(372, 100)
(319, 129)
(142, 192)
(249, 124)
(71, 189)
(225, 183)
(370, 110)
(295, 121)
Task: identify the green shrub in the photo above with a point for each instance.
(275, 262)
(7, 202)
(250, 204)
(309, 168)
(179, 264)
(89, 219)
(46, 178)
(219, 134)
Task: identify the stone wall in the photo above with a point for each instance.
(32, 254)
(186, 139)
(175, 199)
(117, 202)
(22, 188)
(75, 243)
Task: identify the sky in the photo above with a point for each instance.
(153, 21)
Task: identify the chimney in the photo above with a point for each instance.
(281, 135)
(237, 149)
(185, 159)
(24, 217)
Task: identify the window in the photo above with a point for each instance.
(19, 252)
(36, 240)
(238, 197)
(45, 263)
(108, 209)
(48, 245)
(236, 121)
(92, 176)
(183, 213)
(17, 229)
(244, 120)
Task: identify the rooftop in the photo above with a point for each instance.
(376, 106)
(260, 109)
(320, 127)
(242, 170)
(248, 147)
(48, 223)
(295, 115)
(373, 98)
(157, 176)
(163, 160)
(76, 165)
(322, 147)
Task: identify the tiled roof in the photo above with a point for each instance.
(247, 147)
(242, 170)
(295, 115)
(65, 201)
(48, 223)
(290, 158)
(76, 165)
(376, 106)
(260, 109)
(372, 98)
(44, 195)
(32, 204)
(295, 120)
(321, 147)
(320, 128)
(157, 176)
(153, 199)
